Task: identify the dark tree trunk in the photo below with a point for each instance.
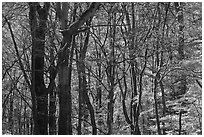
(21, 129)
(65, 66)
(98, 84)
(64, 72)
(82, 108)
(134, 107)
(80, 103)
(161, 63)
(65, 102)
(52, 92)
(180, 125)
(99, 116)
(110, 71)
(156, 106)
(83, 83)
(182, 87)
(156, 65)
(31, 126)
(10, 118)
(52, 110)
(79, 98)
(38, 30)
(155, 88)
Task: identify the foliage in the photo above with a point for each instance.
(131, 67)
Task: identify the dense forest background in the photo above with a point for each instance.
(102, 68)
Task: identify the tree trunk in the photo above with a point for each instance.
(155, 88)
(110, 71)
(180, 125)
(182, 87)
(65, 102)
(21, 127)
(38, 31)
(156, 106)
(98, 84)
(10, 118)
(52, 110)
(65, 64)
(134, 113)
(84, 91)
(52, 91)
(80, 103)
(163, 94)
(128, 120)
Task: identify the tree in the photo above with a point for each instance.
(65, 65)
(38, 18)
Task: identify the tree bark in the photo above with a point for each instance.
(134, 113)
(156, 106)
(38, 30)
(65, 65)
(110, 71)
(10, 118)
(79, 99)
(83, 84)
(182, 86)
(65, 102)
(52, 93)
(180, 125)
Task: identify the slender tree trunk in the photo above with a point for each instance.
(21, 127)
(52, 110)
(79, 127)
(99, 115)
(89, 13)
(52, 94)
(180, 125)
(155, 94)
(84, 83)
(31, 126)
(98, 85)
(128, 120)
(33, 23)
(156, 107)
(132, 48)
(38, 30)
(167, 5)
(65, 64)
(80, 102)
(10, 119)
(182, 87)
(156, 66)
(111, 74)
(134, 113)
(80, 99)
(28, 126)
(110, 112)
(25, 120)
(155, 91)
(163, 94)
